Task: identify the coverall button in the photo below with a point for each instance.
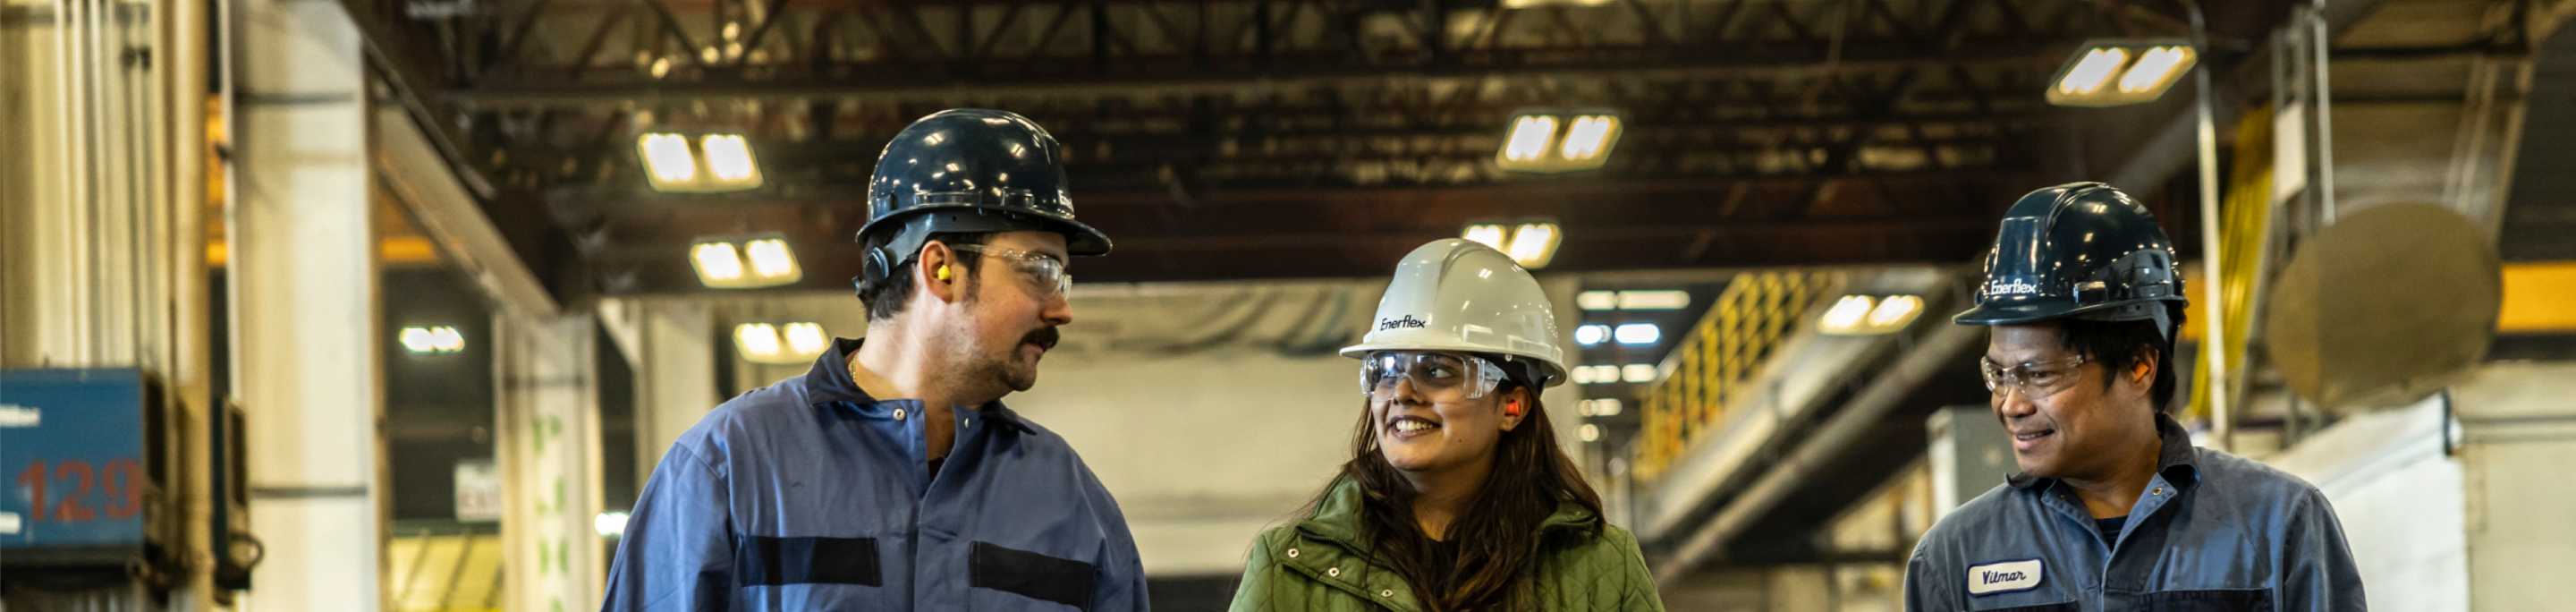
(1292, 553)
(1334, 572)
(1386, 593)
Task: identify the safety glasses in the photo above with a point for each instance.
(1437, 377)
(1043, 268)
(2035, 379)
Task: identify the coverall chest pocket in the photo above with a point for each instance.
(1028, 580)
(2216, 600)
(2067, 606)
(767, 561)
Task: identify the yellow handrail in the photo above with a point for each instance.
(2244, 224)
(1724, 348)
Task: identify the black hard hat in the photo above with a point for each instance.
(2083, 251)
(969, 170)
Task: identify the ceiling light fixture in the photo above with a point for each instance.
(2120, 72)
(1589, 335)
(439, 339)
(1530, 244)
(744, 262)
(780, 343)
(1640, 333)
(1654, 300)
(1558, 141)
(710, 163)
(1861, 315)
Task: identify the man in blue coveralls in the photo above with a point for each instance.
(891, 477)
(2114, 508)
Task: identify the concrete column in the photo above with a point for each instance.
(549, 460)
(305, 296)
(676, 384)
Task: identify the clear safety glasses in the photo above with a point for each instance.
(2037, 379)
(1045, 269)
(1437, 377)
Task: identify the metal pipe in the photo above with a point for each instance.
(2323, 100)
(2213, 343)
(191, 347)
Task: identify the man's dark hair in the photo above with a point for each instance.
(2120, 345)
(886, 298)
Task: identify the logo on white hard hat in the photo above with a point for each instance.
(1407, 322)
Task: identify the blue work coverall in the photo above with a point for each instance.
(810, 495)
(2212, 532)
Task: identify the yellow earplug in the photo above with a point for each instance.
(942, 273)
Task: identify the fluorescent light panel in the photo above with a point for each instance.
(1489, 235)
(2093, 71)
(1654, 300)
(1589, 335)
(1597, 300)
(744, 262)
(438, 339)
(1862, 315)
(1639, 333)
(780, 343)
(2118, 72)
(713, 163)
(1639, 373)
(1530, 137)
(1532, 245)
(1557, 141)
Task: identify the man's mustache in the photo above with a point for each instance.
(1044, 337)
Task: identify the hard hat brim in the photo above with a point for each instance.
(2038, 310)
(1080, 240)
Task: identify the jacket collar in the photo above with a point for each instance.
(830, 382)
(2178, 461)
(1338, 517)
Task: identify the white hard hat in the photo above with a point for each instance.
(1456, 295)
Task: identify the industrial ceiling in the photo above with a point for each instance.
(1232, 139)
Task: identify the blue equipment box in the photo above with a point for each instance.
(76, 448)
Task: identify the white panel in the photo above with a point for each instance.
(2520, 422)
(321, 555)
(550, 461)
(2401, 503)
(677, 384)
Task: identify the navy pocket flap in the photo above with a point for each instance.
(2055, 607)
(2221, 600)
(1031, 575)
(775, 561)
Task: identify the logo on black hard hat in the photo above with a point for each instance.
(2011, 286)
(1407, 321)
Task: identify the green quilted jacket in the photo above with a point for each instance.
(1321, 564)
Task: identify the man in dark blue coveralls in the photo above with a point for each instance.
(2114, 510)
(891, 477)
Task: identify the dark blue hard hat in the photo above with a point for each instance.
(2082, 251)
(969, 170)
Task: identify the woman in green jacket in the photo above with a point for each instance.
(1456, 497)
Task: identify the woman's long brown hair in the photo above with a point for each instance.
(1496, 535)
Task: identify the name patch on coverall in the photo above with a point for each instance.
(2003, 577)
